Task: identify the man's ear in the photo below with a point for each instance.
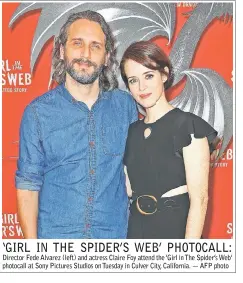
(62, 52)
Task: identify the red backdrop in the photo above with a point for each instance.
(215, 51)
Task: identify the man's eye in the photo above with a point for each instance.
(96, 46)
(132, 81)
(149, 76)
(77, 43)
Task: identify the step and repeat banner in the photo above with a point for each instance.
(201, 38)
(199, 41)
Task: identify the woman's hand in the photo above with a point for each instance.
(128, 184)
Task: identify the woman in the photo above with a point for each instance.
(167, 153)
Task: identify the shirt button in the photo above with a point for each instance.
(92, 172)
(90, 199)
(87, 225)
(91, 143)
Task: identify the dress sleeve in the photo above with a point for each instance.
(192, 124)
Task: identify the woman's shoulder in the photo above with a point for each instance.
(184, 114)
(186, 119)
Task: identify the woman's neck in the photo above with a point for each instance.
(158, 110)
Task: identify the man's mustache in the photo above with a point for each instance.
(84, 61)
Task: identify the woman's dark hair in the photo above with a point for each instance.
(108, 80)
(149, 55)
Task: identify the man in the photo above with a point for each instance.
(70, 177)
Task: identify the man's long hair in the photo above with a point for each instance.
(107, 79)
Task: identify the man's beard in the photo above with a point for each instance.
(83, 78)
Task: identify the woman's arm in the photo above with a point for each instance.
(197, 162)
(128, 184)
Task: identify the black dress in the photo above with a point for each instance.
(155, 166)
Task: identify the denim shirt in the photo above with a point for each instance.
(73, 157)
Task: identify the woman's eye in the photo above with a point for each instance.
(132, 81)
(149, 76)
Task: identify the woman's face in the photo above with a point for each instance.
(146, 85)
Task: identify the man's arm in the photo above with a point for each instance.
(29, 174)
(27, 208)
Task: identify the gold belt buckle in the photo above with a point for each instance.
(144, 212)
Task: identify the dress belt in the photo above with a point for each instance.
(149, 204)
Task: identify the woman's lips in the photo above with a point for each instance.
(144, 95)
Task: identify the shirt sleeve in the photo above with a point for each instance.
(30, 165)
(133, 118)
(134, 112)
(126, 149)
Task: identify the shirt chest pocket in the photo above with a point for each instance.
(113, 139)
(66, 144)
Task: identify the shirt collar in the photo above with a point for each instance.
(66, 94)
